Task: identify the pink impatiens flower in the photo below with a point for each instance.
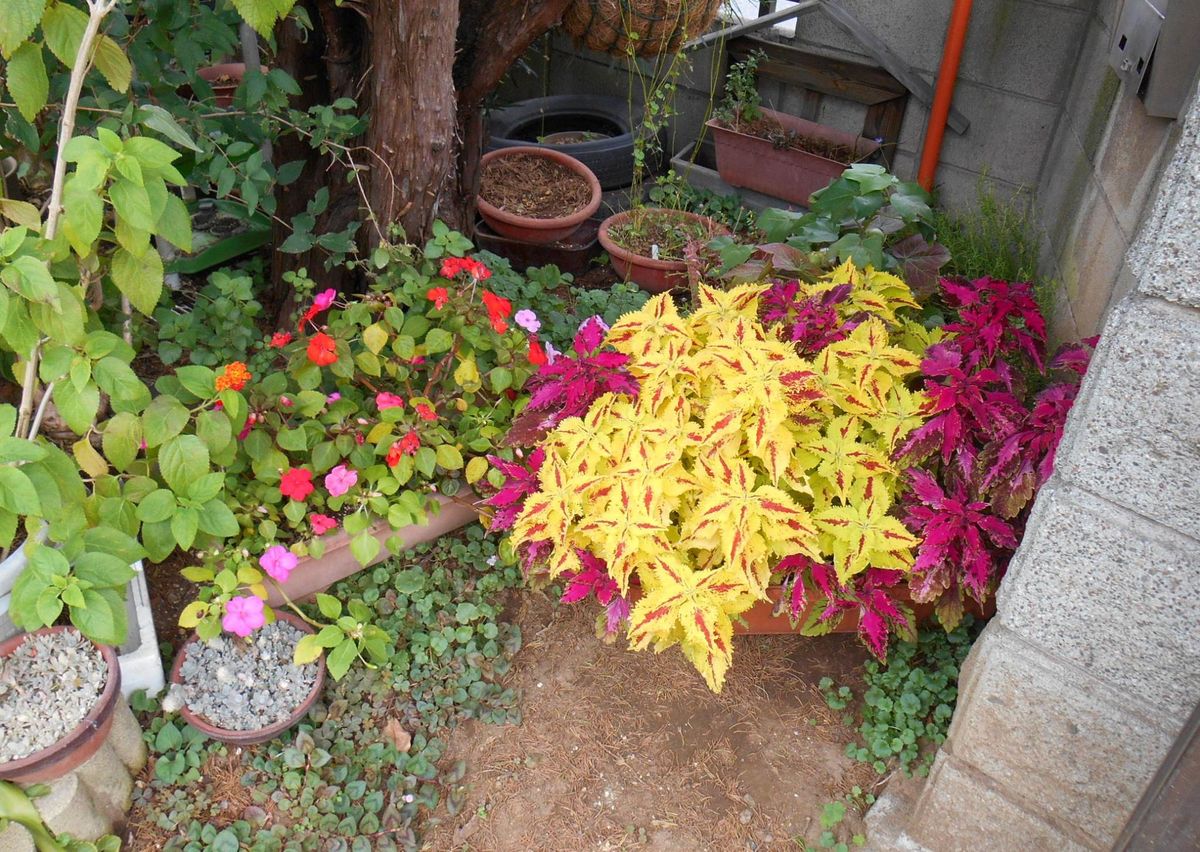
(340, 480)
(278, 562)
(324, 299)
(321, 524)
(384, 399)
(243, 615)
(528, 320)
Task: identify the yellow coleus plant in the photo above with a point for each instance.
(735, 453)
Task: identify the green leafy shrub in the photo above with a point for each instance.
(221, 326)
(908, 701)
(675, 193)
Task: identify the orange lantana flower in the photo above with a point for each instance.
(233, 377)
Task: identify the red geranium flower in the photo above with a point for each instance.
(498, 310)
(537, 355)
(438, 295)
(280, 339)
(296, 484)
(322, 350)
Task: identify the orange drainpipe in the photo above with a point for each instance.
(943, 95)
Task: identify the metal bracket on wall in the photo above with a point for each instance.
(845, 19)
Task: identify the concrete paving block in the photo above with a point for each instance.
(1066, 180)
(963, 811)
(68, 809)
(16, 839)
(1089, 104)
(125, 737)
(1126, 589)
(1055, 739)
(1134, 434)
(108, 781)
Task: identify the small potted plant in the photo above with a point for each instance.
(366, 438)
(252, 682)
(224, 80)
(774, 153)
(705, 466)
(538, 195)
(646, 245)
(58, 692)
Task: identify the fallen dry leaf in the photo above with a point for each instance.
(395, 732)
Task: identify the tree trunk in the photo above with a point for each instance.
(413, 115)
(421, 69)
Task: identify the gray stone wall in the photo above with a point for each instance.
(1075, 691)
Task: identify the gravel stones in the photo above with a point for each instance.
(47, 686)
(245, 685)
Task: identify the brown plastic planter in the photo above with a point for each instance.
(316, 575)
(223, 89)
(77, 747)
(653, 276)
(260, 735)
(752, 162)
(527, 228)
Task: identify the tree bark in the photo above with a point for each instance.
(412, 131)
(421, 69)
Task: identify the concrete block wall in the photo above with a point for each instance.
(1102, 166)
(1076, 690)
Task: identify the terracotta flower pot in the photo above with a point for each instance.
(761, 619)
(532, 229)
(77, 747)
(224, 80)
(653, 276)
(752, 162)
(260, 735)
(337, 562)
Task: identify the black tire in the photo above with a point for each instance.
(611, 157)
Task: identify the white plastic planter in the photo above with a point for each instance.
(141, 665)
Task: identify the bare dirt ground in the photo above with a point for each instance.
(623, 750)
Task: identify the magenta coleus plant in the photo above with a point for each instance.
(810, 322)
(990, 443)
(568, 385)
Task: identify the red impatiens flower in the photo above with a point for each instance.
(322, 350)
(406, 446)
(438, 295)
(537, 355)
(296, 484)
(425, 412)
(322, 302)
(321, 524)
(280, 339)
(498, 310)
(233, 377)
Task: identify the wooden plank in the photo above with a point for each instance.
(854, 81)
(883, 54)
(883, 122)
(1167, 819)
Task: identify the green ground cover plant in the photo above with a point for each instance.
(366, 765)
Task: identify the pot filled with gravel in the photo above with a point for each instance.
(58, 691)
(245, 691)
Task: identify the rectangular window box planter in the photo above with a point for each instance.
(752, 162)
(314, 575)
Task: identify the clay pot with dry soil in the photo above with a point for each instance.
(785, 156)
(646, 245)
(538, 195)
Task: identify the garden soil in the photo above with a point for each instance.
(624, 750)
